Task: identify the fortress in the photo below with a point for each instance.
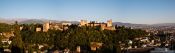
(107, 26)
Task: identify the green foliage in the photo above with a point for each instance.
(72, 37)
(17, 39)
(5, 27)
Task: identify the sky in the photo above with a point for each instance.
(128, 11)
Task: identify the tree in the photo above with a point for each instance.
(17, 43)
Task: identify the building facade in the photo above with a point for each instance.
(108, 25)
(55, 26)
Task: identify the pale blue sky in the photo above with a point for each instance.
(132, 11)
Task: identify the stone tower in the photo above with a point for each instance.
(83, 22)
(109, 23)
(46, 27)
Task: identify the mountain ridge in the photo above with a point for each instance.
(41, 21)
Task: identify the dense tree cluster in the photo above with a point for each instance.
(74, 36)
(5, 27)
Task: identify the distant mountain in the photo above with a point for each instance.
(30, 21)
(41, 21)
(11, 21)
(74, 22)
(129, 24)
(143, 25)
(2, 20)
